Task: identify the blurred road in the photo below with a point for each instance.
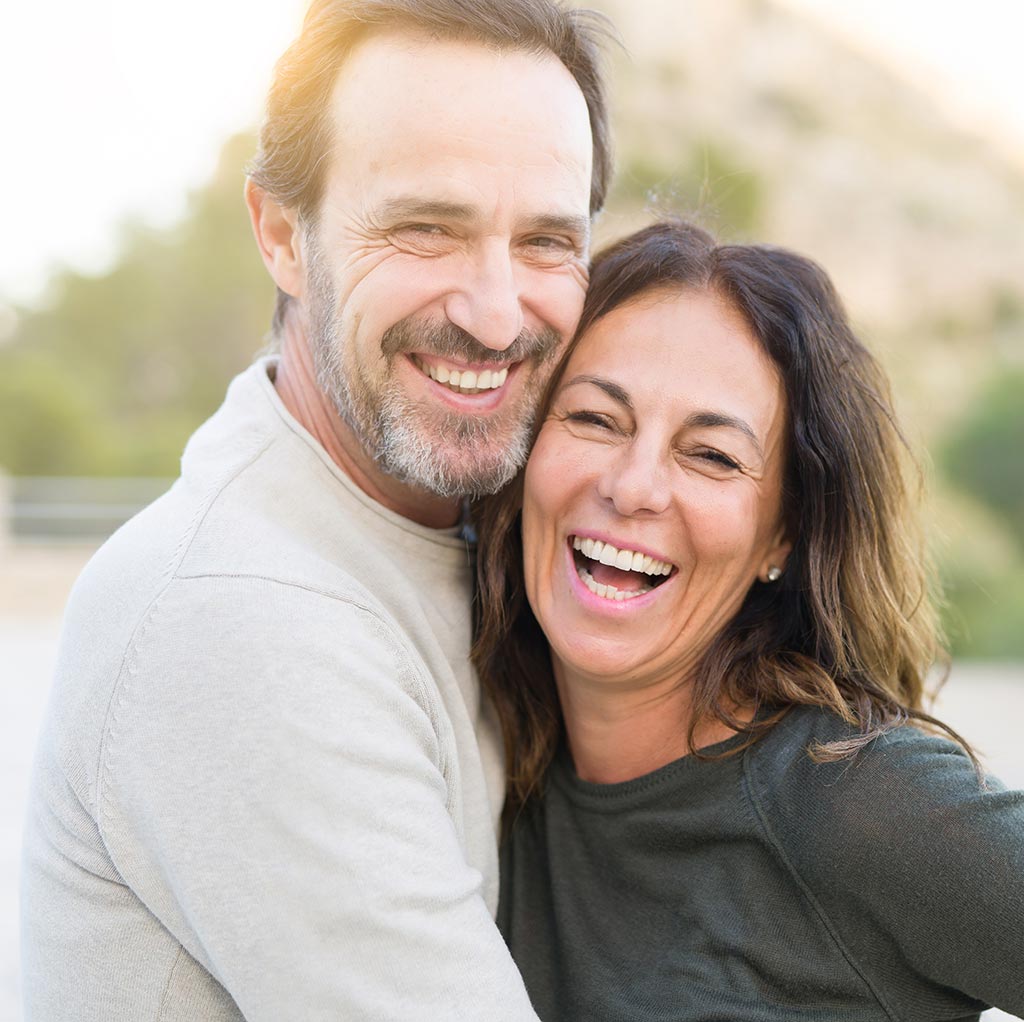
(984, 702)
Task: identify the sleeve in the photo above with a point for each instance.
(273, 788)
(917, 864)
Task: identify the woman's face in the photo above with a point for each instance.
(662, 453)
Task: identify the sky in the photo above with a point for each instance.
(115, 109)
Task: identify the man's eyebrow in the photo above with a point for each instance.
(565, 223)
(613, 390)
(716, 419)
(411, 207)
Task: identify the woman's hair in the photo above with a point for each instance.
(851, 624)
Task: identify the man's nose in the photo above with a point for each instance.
(487, 304)
(637, 481)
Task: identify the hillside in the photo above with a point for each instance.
(768, 128)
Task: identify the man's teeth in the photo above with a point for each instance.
(625, 560)
(465, 381)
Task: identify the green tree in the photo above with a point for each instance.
(117, 370)
(983, 454)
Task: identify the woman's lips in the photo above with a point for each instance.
(616, 574)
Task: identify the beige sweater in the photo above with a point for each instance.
(265, 788)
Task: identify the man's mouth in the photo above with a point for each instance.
(460, 380)
(617, 574)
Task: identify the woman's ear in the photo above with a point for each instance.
(278, 238)
(774, 562)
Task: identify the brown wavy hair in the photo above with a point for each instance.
(296, 133)
(851, 625)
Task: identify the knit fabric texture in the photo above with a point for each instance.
(764, 886)
(266, 787)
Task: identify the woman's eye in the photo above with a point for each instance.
(717, 458)
(591, 419)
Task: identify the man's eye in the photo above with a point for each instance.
(549, 249)
(421, 237)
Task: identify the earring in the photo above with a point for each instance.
(774, 573)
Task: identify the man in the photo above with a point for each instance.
(267, 788)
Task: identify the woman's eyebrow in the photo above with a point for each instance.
(715, 419)
(613, 390)
(705, 419)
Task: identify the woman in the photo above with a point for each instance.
(725, 800)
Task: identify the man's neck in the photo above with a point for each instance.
(295, 383)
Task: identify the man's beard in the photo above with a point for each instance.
(446, 453)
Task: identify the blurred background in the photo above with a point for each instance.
(884, 140)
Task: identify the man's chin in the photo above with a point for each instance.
(453, 471)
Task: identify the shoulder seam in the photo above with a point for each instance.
(207, 501)
(181, 548)
(776, 845)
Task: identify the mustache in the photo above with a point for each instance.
(446, 340)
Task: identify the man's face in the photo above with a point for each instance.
(447, 265)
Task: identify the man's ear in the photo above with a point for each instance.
(278, 238)
(774, 561)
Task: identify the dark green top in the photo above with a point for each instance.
(765, 886)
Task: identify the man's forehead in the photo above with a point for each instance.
(428, 83)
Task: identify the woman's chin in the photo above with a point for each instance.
(608, 662)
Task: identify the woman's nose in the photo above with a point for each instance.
(637, 481)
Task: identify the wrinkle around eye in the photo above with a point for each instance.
(589, 425)
(551, 251)
(716, 464)
(422, 239)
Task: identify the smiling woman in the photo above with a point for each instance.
(688, 475)
(705, 618)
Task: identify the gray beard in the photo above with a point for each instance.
(449, 455)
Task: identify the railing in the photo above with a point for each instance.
(70, 508)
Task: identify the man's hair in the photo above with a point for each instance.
(851, 623)
(296, 136)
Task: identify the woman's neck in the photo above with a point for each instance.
(619, 733)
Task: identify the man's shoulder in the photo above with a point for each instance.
(235, 552)
(220, 569)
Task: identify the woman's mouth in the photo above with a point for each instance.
(617, 574)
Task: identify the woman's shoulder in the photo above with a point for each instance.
(909, 807)
(905, 776)
(905, 848)
(790, 754)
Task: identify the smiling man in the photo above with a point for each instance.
(267, 787)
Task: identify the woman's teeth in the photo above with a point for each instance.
(610, 592)
(464, 381)
(624, 560)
